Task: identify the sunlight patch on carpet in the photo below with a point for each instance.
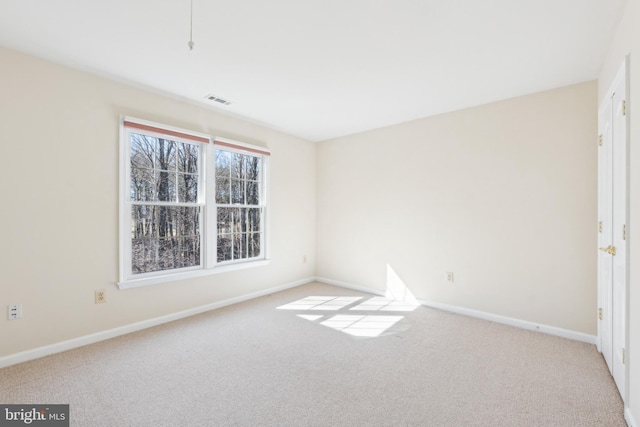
(311, 317)
(343, 318)
(385, 304)
(356, 325)
(361, 326)
(321, 303)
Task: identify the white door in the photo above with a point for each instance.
(612, 236)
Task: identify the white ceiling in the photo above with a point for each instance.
(321, 69)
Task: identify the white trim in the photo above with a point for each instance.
(627, 309)
(522, 324)
(629, 418)
(124, 216)
(510, 321)
(59, 347)
(192, 274)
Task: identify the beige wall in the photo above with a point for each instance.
(59, 213)
(627, 41)
(504, 195)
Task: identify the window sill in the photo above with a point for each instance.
(165, 278)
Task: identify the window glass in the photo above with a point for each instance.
(239, 205)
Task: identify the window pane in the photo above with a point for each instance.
(223, 193)
(190, 251)
(253, 193)
(166, 185)
(166, 154)
(237, 191)
(236, 218)
(143, 252)
(238, 165)
(167, 254)
(164, 237)
(224, 220)
(166, 221)
(224, 247)
(188, 221)
(253, 220)
(187, 188)
(253, 168)
(239, 246)
(178, 252)
(254, 245)
(142, 221)
(242, 220)
(188, 158)
(142, 151)
(223, 161)
(143, 185)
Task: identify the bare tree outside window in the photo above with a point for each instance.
(238, 201)
(165, 217)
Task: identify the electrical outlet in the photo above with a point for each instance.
(101, 296)
(450, 277)
(14, 311)
(304, 259)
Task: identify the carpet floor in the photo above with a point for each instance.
(319, 355)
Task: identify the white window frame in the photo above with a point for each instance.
(238, 148)
(206, 199)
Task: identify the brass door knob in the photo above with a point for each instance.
(609, 249)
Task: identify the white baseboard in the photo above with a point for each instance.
(39, 352)
(523, 324)
(629, 418)
(350, 286)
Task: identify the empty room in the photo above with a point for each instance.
(320, 213)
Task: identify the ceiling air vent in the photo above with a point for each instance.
(218, 100)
